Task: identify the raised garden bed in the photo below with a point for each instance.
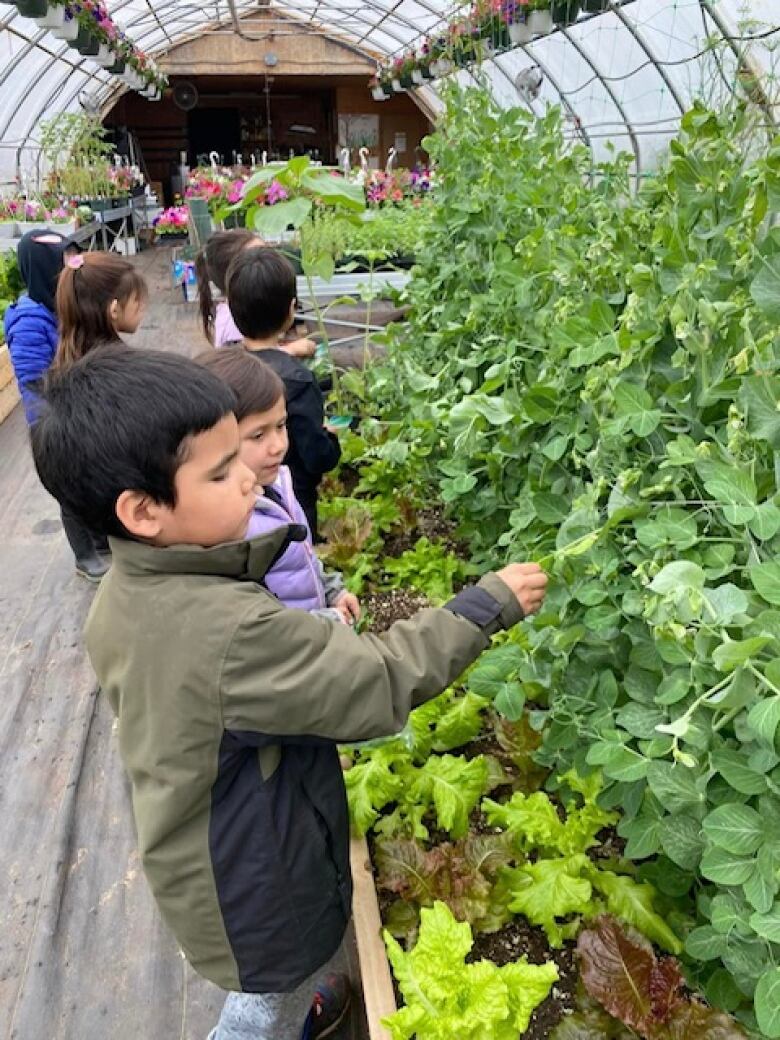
(9, 392)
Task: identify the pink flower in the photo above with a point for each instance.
(274, 193)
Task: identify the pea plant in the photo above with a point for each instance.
(601, 394)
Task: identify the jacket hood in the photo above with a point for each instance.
(246, 560)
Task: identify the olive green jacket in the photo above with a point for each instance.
(229, 707)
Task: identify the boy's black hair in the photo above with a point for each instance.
(260, 291)
(120, 419)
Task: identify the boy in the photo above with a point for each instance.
(261, 295)
(229, 705)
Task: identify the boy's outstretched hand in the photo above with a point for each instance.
(348, 606)
(528, 582)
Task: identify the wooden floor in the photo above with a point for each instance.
(83, 953)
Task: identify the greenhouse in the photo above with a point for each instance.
(390, 468)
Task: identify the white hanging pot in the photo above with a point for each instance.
(418, 77)
(540, 23)
(69, 29)
(378, 94)
(152, 93)
(53, 19)
(105, 56)
(397, 86)
(520, 32)
(445, 66)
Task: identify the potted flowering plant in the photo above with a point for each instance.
(173, 223)
(517, 17)
(31, 8)
(540, 22)
(380, 88)
(490, 22)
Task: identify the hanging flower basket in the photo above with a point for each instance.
(406, 81)
(594, 6)
(68, 30)
(32, 8)
(379, 93)
(397, 87)
(564, 12)
(519, 33)
(118, 67)
(540, 23)
(417, 77)
(85, 43)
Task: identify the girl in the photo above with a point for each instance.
(99, 296)
(212, 265)
(297, 577)
(261, 292)
(31, 334)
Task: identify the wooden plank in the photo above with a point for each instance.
(378, 995)
(6, 368)
(9, 398)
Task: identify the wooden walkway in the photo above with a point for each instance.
(83, 953)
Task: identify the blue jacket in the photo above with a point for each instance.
(31, 335)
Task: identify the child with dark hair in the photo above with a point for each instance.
(228, 724)
(99, 296)
(297, 577)
(261, 292)
(212, 265)
(32, 335)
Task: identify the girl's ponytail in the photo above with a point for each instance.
(86, 288)
(205, 299)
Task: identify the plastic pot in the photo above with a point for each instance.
(105, 56)
(378, 94)
(407, 81)
(564, 12)
(519, 32)
(540, 23)
(53, 18)
(32, 8)
(396, 83)
(85, 43)
(68, 31)
(118, 67)
(594, 6)
(417, 77)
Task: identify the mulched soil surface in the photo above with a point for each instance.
(383, 608)
(431, 524)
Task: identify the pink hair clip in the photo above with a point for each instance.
(75, 262)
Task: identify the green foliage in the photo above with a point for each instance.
(381, 235)
(11, 285)
(428, 567)
(446, 997)
(601, 394)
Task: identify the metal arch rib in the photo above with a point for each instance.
(616, 9)
(612, 95)
(557, 87)
(744, 58)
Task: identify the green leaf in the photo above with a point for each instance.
(765, 288)
(767, 996)
(759, 397)
(767, 925)
(273, 220)
(259, 181)
(454, 786)
(735, 828)
(549, 889)
(335, 191)
(727, 913)
(705, 944)
(724, 867)
(459, 723)
(633, 903)
(726, 602)
(681, 840)
(733, 765)
(675, 787)
(762, 885)
(764, 718)
(677, 575)
(637, 405)
(765, 578)
(371, 785)
(733, 488)
(551, 509)
(727, 656)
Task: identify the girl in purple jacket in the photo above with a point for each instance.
(297, 578)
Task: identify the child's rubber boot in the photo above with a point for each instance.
(92, 567)
(329, 1007)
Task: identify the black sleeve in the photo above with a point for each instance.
(318, 450)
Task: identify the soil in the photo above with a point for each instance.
(383, 608)
(431, 524)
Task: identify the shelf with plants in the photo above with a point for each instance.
(87, 26)
(601, 397)
(486, 28)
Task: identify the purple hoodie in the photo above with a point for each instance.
(296, 577)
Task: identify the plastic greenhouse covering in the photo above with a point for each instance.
(623, 77)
